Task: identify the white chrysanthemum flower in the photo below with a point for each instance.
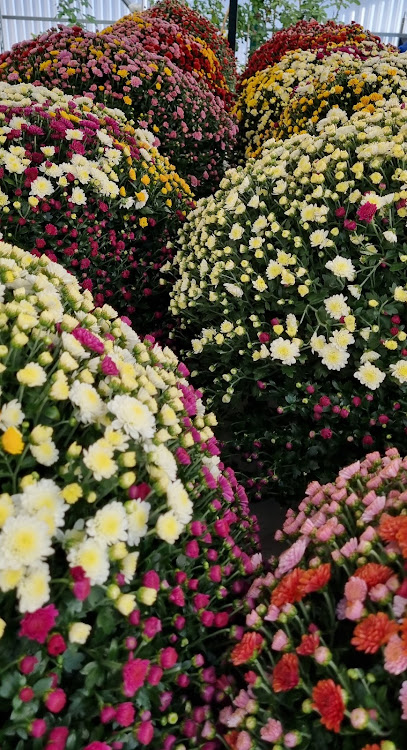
(370, 376)
(24, 540)
(7, 508)
(132, 416)
(109, 525)
(399, 371)
(128, 566)
(33, 589)
(390, 236)
(10, 578)
(32, 375)
(336, 306)
(355, 291)
(41, 187)
(236, 232)
(179, 502)
(98, 458)
(116, 439)
(333, 357)
(342, 338)
(317, 343)
(91, 555)
(168, 527)
(369, 356)
(163, 458)
(234, 290)
(87, 399)
(320, 238)
(45, 453)
(45, 497)
(138, 512)
(284, 350)
(11, 414)
(342, 267)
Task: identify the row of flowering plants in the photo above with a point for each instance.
(304, 35)
(125, 544)
(196, 25)
(170, 40)
(291, 280)
(82, 186)
(323, 658)
(266, 98)
(351, 88)
(193, 128)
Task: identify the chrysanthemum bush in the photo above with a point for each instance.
(324, 654)
(124, 544)
(297, 268)
(306, 35)
(266, 95)
(194, 130)
(197, 25)
(168, 39)
(352, 88)
(80, 185)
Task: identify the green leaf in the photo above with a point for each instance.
(72, 659)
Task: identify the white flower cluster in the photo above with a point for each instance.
(103, 173)
(283, 261)
(63, 364)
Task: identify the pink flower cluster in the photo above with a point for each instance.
(332, 611)
(192, 125)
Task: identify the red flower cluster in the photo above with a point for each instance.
(304, 35)
(199, 27)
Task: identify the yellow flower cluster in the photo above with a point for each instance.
(266, 95)
(87, 411)
(351, 87)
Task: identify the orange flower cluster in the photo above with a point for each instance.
(297, 584)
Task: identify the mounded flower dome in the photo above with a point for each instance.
(351, 88)
(297, 268)
(124, 542)
(199, 27)
(193, 128)
(305, 35)
(84, 187)
(171, 40)
(324, 653)
(266, 96)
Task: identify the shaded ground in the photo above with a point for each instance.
(270, 517)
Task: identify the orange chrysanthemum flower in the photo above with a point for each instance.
(286, 674)
(371, 747)
(248, 647)
(314, 579)
(401, 535)
(287, 591)
(373, 632)
(231, 739)
(388, 527)
(309, 643)
(373, 573)
(328, 701)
